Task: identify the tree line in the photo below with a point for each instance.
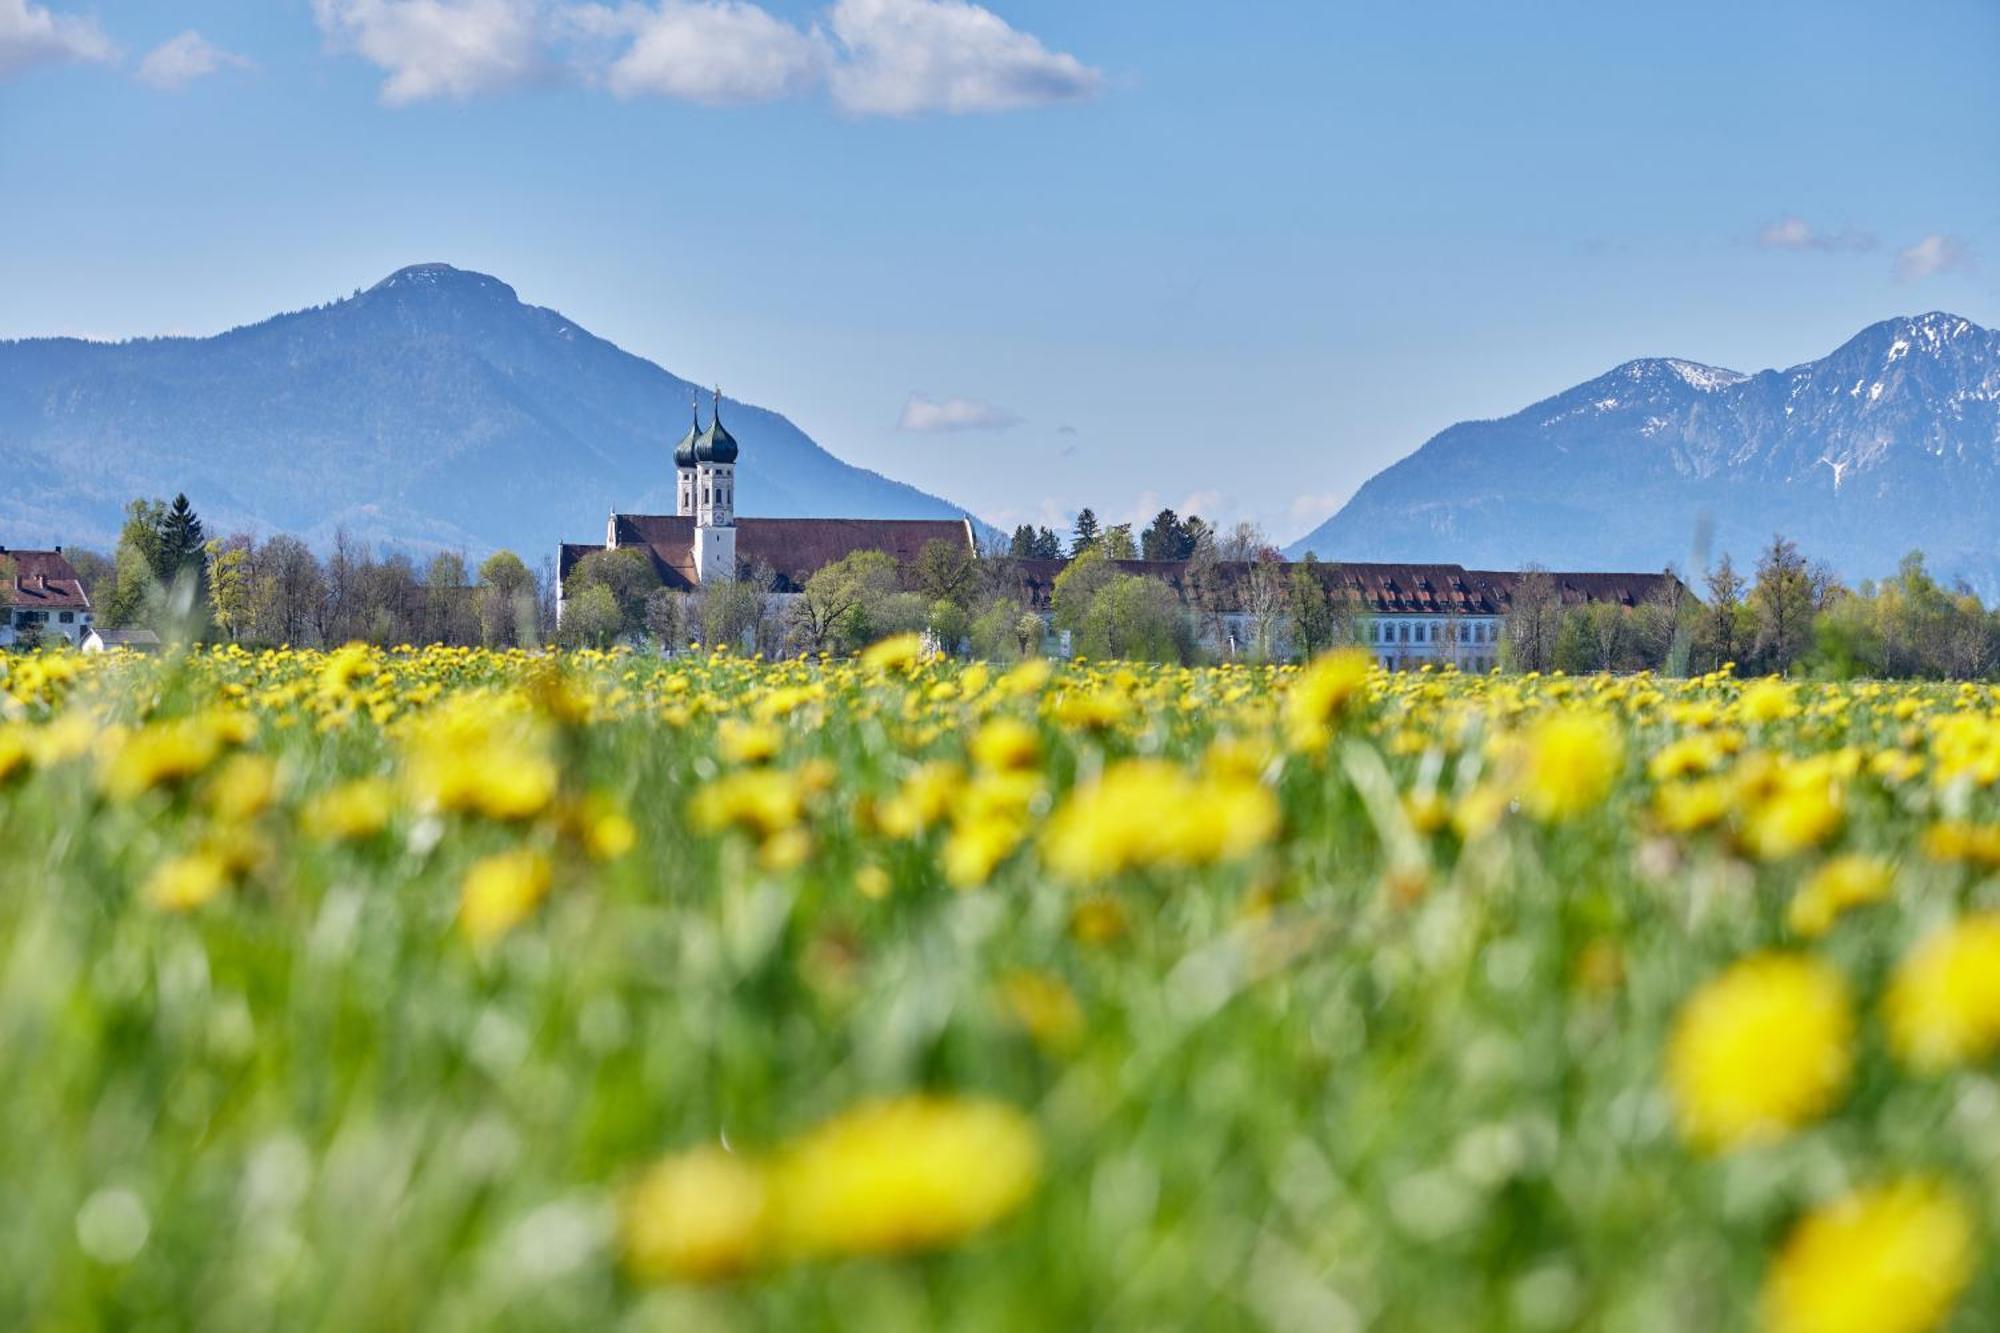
(168, 574)
(1232, 595)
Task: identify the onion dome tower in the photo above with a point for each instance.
(684, 465)
(715, 499)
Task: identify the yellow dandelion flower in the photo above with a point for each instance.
(350, 812)
(1767, 701)
(1888, 1259)
(763, 801)
(1571, 760)
(1760, 1050)
(183, 883)
(500, 891)
(1145, 813)
(1005, 743)
(899, 652)
(740, 742)
(1323, 694)
(873, 882)
(1943, 1004)
(243, 787)
(907, 1173)
(1843, 883)
(158, 754)
(694, 1217)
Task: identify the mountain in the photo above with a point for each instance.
(1890, 443)
(432, 410)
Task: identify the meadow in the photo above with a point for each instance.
(453, 989)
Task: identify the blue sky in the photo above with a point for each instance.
(1043, 253)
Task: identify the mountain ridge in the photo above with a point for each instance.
(431, 410)
(1890, 442)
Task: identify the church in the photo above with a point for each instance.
(703, 540)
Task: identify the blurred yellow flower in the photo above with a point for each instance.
(740, 742)
(1145, 813)
(349, 812)
(897, 653)
(1571, 760)
(1005, 743)
(1760, 1050)
(183, 883)
(242, 787)
(697, 1216)
(500, 891)
(157, 754)
(1323, 693)
(907, 1173)
(763, 801)
(1044, 1007)
(1843, 883)
(1889, 1259)
(1943, 1004)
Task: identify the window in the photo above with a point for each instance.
(68, 618)
(1406, 631)
(1420, 634)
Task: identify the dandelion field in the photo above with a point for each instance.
(449, 989)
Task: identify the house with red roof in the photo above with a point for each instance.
(45, 601)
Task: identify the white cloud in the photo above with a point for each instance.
(1795, 233)
(438, 48)
(716, 52)
(902, 57)
(174, 64)
(33, 35)
(1206, 504)
(926, 415)
(1933, 254)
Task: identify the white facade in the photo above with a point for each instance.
(1403, 642)
(67, 626)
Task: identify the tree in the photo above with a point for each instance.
(1047, 546)
(1086, 532)
(230, 592)
(1721, 626)
(94, 570)
(1534, 621)
(506, 601)
(1309, 609)
(840, 607)
(1783, 598)
(136, 565)
(667, 618)
(993, 632)
(1265, 600)
(290, 588)
(727, 611)
(451, 614)
(943, 571)
(1165, 539)
(1077, 586)
(1245, 541)
(1022, 546)
(591, 618)
(183, 546)
(1118, 543)
(627, 573)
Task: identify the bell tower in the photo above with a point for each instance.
(715, 498)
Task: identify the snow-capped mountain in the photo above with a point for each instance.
(1890, 443)
(432, 410)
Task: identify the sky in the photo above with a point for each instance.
(1033, 254)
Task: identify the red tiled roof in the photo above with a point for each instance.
(794, 549)
(1380, 589)
(42, 581)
